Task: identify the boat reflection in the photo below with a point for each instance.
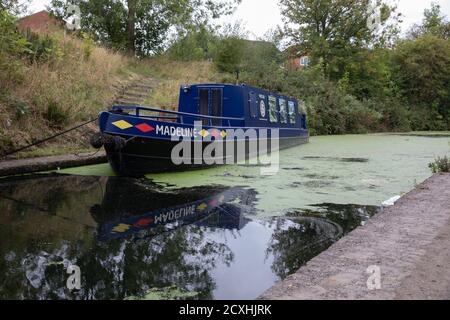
(135, 207)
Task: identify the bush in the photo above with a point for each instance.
(12, 45)
(20, 107)
(395, 115)
(5, 142)
(40, 48)
(87, 46)
(229, 54)
(427, 118)
(359, 117)
(197, 45)
(330, 109)
(421, 68)
(55, 114)
(440, 165)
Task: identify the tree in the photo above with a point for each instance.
(141, 26)
(229, 54)
(261, 65)
(12, 46)
(434, 23)
(332, 30)
(198, 44)
(422, 71)
(131, 21)
(14, 7)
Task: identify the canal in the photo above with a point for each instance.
(220, 233)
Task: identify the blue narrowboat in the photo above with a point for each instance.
(140, 140)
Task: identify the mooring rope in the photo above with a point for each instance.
(79, 155)
(47, 139)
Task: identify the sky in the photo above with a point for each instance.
(259, 16)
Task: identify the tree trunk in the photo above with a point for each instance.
(131, 32)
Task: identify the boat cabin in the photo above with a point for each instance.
(240, 106)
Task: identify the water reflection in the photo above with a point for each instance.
(130, 236)
(295, 241)
(137, 207)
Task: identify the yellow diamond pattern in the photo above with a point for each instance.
(204, 133)
(121, 228)
(223, 134)
(122, 124)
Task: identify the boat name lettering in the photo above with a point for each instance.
(175, 131)
(174, 214)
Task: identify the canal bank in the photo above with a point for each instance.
(31, 165)
(409, 242)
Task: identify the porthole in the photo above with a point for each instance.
(262, 108)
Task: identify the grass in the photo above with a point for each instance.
(172, 74)
(78, 81)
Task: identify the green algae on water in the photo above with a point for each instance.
(348, 169)
(167, 293)
(100, 170)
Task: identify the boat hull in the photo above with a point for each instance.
(136, 145)
(145, 155)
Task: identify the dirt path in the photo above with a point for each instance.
(431, 277)
(409, 242)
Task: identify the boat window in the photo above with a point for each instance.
(262, 106)
(253, 103)
(291, 107)
(283, 111)
(203, 96)
(216, 106)
(273, 109)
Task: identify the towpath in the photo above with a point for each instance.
(408, 243)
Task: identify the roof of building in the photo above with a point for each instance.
(39, 22)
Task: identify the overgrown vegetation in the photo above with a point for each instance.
(440, 165)
(50, 82)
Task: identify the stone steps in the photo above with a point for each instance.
(132, 97)
(143, 86)
(136, 93)
(127, 103)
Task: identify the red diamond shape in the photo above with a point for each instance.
(143, 222)
(144, 127)
(215, 133)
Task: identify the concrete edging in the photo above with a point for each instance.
(31, 165)
(409, 242)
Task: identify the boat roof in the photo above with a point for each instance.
(241, 86)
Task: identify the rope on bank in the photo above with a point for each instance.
(78, 155)
(48, 138)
